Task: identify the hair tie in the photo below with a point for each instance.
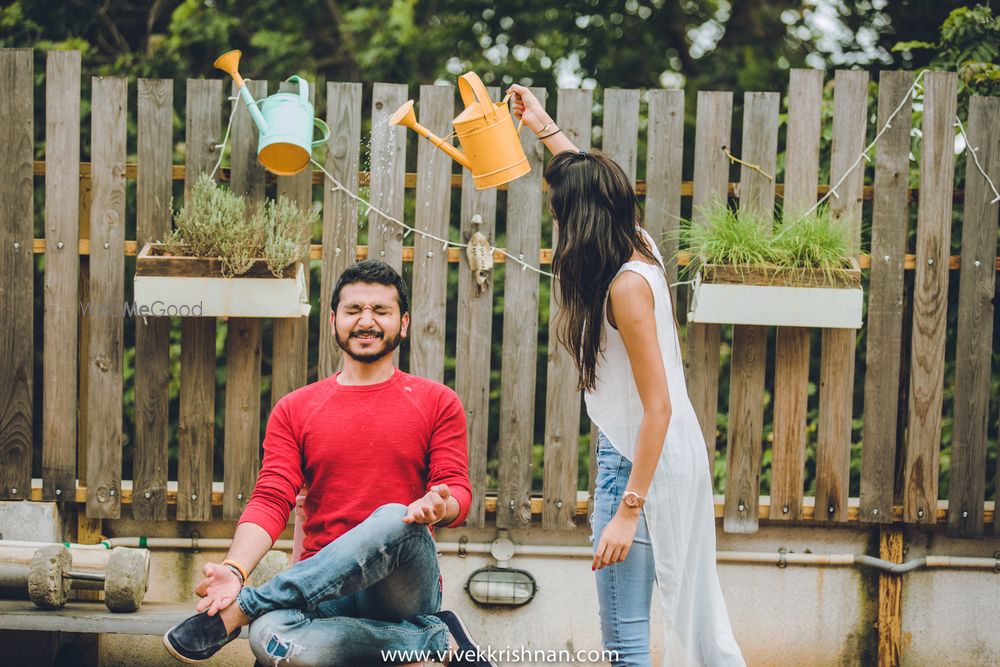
(583, 154)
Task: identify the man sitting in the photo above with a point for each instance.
(383, 454)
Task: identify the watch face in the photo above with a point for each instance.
(632, 500)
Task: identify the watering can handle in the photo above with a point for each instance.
(471, 87)
(520, 121)
(321, 124)
(303, 88)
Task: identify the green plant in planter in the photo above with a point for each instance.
(748, 242)
(218, 223)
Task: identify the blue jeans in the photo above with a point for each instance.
(368, 591)
(624, 590)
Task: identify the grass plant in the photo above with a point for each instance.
(219, 223)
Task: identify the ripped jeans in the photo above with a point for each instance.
(368, 591)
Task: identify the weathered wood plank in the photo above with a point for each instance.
(430, 260)
(16, 271)
(290, 340)
(930, 298)
(620, 135)
(152, 334)
(791, 356)
(746, 403)
(890, 598)
(388, 171)
(474, 339)
(340, 211)
(664, 163)
(241, 446)
(562, 397)
(711, 176)
(977, 282)
(520, 339)
(196, 422)
(62, 270)
(890, 216)
(107, 289)
(836, 387)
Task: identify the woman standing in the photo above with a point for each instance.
(653, 508)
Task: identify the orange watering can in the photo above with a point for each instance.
(486, 131)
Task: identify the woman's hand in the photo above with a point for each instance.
(529, 109)
(218, 589)
(616, 538)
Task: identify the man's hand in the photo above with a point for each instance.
(218, 589)
(431, 508)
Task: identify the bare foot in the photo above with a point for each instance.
(233, 617)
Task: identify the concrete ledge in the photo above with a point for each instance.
(154, 618)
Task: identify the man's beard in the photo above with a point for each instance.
(390, 344)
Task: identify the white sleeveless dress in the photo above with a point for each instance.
(680, 506)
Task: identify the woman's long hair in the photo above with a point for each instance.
(598, 216)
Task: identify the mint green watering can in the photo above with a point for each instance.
(285, 122)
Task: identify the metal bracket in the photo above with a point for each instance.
(782, 560)
(463, 541)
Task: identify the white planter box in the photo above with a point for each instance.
(194, 287)
(720, 299)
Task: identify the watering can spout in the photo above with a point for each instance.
(230, 64)
(405, 116)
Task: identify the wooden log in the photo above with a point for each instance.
(836, 387)
(105, 357)
(340, 211)
(974, 347)
(520, 338)
(664, 163)
(711, 176)
(290, 342)
(152, 334)
(890, 216)
(196, 422)
(17, 267)
(241, 446)
(62, 270)
(473, 342)
(562, 396)
(746, 402)
(930, 298)
(388, 170)
(428, 319)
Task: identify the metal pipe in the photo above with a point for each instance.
(780, 559)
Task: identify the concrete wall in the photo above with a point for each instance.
(798, 615)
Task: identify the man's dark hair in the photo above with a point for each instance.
(372, 271)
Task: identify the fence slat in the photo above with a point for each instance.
(746, 403)
(107, 288)
(196, 422)
(388, 174)
(290, 340)
(930, 299)
(520, 340)
(890, 217)
(975, 324)
(430, 260)
(791, 356)
(152, 334)
(711, 181)
(340, 211)
(241, 448)
(664, 162)
(620, 133)
(16, 271)
(836, 387)
(62, 270)
(474, 339)
(562, 398)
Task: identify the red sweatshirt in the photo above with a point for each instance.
(357, 448)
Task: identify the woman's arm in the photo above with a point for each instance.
(532, 113)
(632, 309)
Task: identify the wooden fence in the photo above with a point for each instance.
(85, 247)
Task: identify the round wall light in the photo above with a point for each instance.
(498, 586)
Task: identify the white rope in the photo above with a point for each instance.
(229, 125)
(975, 158)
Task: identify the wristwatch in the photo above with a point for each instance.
(633, 500)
